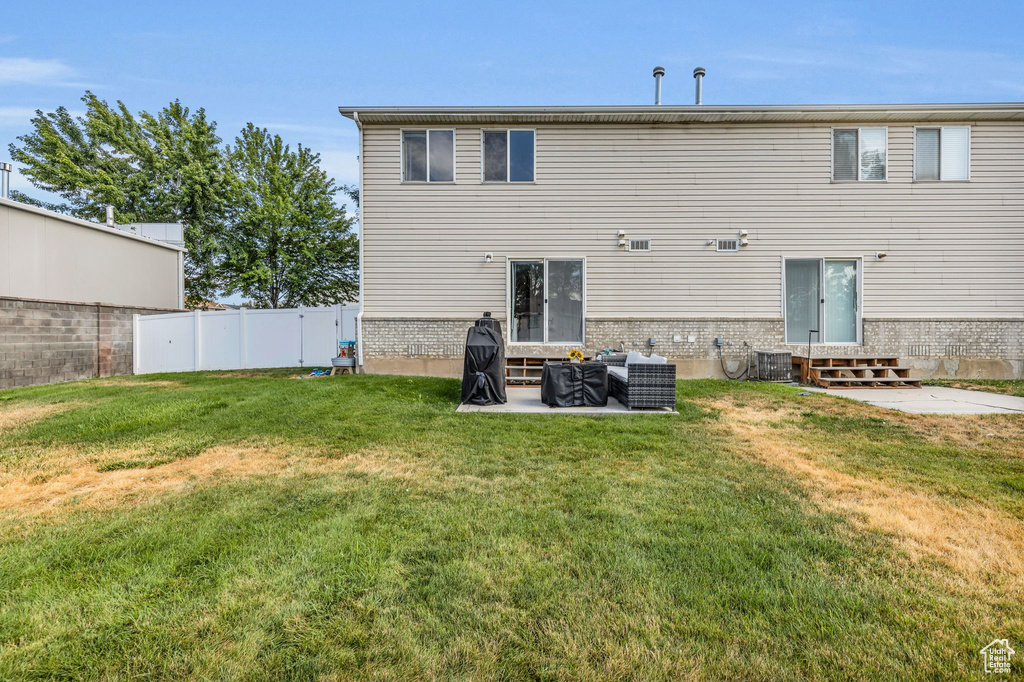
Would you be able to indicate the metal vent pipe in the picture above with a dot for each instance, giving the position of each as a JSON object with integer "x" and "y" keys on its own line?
{"x": 698, "y": 74}
{"x": 5, "y": 180}
{"x": 659, "y": 71}
{"x": 110, "y": 216}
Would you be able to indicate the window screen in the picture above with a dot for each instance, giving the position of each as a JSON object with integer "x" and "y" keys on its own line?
{"x": 415, "y": 162}
{"x": 844, "y": 154}
{"x": 496, "y": 156}
{"x": 926, "y": 155}
{"x": 442, "y": 155}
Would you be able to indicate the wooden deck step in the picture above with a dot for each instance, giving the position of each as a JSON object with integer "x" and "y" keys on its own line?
{"x": 525, "y": 370}
{"x": 837, "y": 368}
{"x": 854, "y": 371}
{"x": 868, "y": 382}
{"x": 847, "y": 357}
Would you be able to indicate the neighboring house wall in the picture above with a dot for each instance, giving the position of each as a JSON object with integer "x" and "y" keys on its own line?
{"x": 949, "y": 296}
{"x": 43, "y": 342}
{"x": 46, "y": 255}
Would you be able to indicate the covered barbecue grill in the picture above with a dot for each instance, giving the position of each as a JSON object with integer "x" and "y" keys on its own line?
{"x": 483, "y": 373}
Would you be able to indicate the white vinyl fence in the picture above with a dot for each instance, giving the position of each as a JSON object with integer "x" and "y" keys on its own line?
{"x": 241, "y": 339}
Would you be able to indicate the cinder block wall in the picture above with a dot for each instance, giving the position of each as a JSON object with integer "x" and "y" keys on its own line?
{"x": 43, "y": 342}
{"x": 978, "y": 348}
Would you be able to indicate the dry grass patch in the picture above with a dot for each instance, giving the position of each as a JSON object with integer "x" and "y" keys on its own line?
{"x": 136, "y": 383}
{"x": 974, "y": 540}
{"x": 68, "y": 478}
{"x": 20, "y": 416}
{"x": 74, "y": 479}
{"x": 969, "y": 430}
{"x": 380, "y": 461}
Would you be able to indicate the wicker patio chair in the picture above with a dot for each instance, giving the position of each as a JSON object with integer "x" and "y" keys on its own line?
{"x": 648, "y": 384}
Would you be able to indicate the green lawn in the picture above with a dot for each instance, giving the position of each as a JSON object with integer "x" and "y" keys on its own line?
{"x": 255, "y": 526}
{"x": 1013, "y": 387}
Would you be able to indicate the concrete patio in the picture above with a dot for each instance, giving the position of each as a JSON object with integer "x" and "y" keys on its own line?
{"x": 932, "y": 400}
{"x": 526, "y": 400}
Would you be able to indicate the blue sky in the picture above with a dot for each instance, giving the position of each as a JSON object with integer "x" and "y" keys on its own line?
{"x": 288, "y": 66}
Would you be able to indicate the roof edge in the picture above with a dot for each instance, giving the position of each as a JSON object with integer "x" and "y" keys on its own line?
{"x": 689, "y": 112}
{"x": 11, "y": 203}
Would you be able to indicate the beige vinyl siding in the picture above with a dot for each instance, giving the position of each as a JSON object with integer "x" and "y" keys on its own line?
{"x": 956, "y": 249}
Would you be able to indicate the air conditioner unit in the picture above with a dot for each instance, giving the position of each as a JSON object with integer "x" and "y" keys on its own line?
{"x": 728, "y": 245}
{"x": 774, "y": 366}
{"x": 639, "y": 244}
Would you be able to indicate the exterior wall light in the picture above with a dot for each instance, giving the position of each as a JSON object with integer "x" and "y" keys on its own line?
{"x": 488, "y": 257}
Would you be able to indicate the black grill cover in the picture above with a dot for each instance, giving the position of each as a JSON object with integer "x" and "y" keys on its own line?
{"x": 490, "y": 323}
{"x": 483, "y": 373}
{"x": 566, "y": 384}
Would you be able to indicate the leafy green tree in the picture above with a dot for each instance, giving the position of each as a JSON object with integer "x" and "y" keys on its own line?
{"x": 166, "y": 167}
{"x": 289, "y": 244}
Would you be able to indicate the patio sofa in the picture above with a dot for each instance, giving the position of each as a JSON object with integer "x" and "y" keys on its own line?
{"x": 636, "y": 380}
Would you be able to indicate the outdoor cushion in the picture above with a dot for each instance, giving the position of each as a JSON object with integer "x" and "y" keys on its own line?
{"x": 635, "y": 356}
{"x": 620, "y": 372}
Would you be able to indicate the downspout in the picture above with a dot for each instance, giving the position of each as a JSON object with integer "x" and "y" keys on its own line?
{"x": 181, "y": 280}
{"x": 362, "y": 302}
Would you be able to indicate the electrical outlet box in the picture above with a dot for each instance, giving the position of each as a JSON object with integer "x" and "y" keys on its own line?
{"x": 691, "y": 339}
{"x": 677, "y": 339}
{"x": 719, "y": 341}
{"x": 652, "y": 341}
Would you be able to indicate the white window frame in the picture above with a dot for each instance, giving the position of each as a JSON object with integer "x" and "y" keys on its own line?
{"x": 401, "y": 151}
{"x": 832, "y": 153}
{"x": 509, "y": 313}
{"x": 940, "y": 128}
{"x": 821, "y": 306}
{"x": 508, "y": 157}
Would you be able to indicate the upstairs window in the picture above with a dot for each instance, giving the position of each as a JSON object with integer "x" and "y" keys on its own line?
{"x": 508, "y": 155}
{"x": 859, "y": 154}
{"x": 942, "y": 153}
{"x": 428, "y": 155}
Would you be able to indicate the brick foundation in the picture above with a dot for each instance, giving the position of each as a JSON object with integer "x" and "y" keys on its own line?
{"x": 985, "y": 348}
{"x": 44, "y": 342}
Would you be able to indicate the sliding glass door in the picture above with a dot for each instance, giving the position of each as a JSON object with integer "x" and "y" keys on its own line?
{"x": 547, "y": 301}
{"x": 822, "y": 300}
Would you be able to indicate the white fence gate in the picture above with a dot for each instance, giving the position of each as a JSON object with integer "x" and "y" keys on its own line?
{"x": 241, "y": 339}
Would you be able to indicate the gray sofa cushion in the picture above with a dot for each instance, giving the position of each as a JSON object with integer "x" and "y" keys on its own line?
{"x": 635, "y": 356}
{"x": 620, "y": 372}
